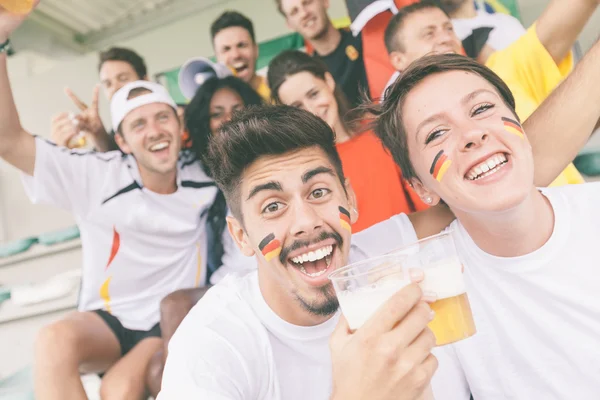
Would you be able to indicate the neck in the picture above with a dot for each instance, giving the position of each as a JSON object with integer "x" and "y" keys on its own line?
{"x": 328, "y": 42}
{"x": 255, "y": 81}
{"x": 283, "y": 303}
{"x": 510, "y": 233}
{"x": 159, "y": 183}
{"x": 341, "y": 133}
{"x": 466, "y": 10}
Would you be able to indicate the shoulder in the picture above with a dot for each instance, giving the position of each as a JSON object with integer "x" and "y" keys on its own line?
{"x": 579, "y": 195}
{"x": 383, "y": 237}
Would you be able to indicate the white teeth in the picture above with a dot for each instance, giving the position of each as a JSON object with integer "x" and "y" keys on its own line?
{"x": 159, "y": 146}
{"x": 313, "y": 255}
{"x": 487, "y": 167}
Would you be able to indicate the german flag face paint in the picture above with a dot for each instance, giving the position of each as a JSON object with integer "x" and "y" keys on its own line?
{"x": 270, "y": 247}
{"x": 512, "y": 126}
{"x": 345, "y": 219}
{"x": 440, "y": 165}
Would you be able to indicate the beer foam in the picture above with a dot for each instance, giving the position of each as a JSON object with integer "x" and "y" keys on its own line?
{"x": 444, "y": 279}
{"x": 359, "y": 305}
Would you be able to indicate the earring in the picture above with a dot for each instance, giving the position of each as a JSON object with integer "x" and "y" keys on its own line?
{"x": 428, "y": 199}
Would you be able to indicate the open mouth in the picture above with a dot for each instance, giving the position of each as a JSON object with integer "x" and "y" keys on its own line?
{"x": 159, "y": 147}
{"x": 314, "y": 263}
{"x": 309, "y": 23}
{"x": 240, "y": 67}
{"x": 487, "y": 167}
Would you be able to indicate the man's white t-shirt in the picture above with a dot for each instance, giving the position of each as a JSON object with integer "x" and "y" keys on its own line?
{"x": 506, "y": 28}
{"x": 138, "y": 246}
{"x": 537, "y": 316}
{"x": 233, "y": 346}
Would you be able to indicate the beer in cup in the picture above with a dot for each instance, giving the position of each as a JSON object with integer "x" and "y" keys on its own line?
{"x": 17, "y": 6}
{"x": 437, "y": 257}
{"x": 364, "y": 286}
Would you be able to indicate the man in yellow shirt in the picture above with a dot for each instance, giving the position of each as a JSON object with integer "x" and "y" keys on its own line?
{"x": 235, "y": 46}
{"x": 532, "y": 66}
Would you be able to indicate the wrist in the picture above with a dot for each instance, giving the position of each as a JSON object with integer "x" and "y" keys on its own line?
{"x": 4, "y": 44}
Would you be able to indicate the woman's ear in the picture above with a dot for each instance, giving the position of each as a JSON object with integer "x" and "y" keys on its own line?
{"x": 426, "y": 195}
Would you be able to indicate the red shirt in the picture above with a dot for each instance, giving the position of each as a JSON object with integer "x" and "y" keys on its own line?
{"x": 377, "y": 181}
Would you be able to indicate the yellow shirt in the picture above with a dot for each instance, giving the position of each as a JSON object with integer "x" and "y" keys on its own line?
{"x": 531, "y": 74}
{"x": 259, "y": 83}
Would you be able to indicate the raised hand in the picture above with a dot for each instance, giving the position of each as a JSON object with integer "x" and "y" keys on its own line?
{"x": 389, "y": 357}
{"x": 9, "y": 21}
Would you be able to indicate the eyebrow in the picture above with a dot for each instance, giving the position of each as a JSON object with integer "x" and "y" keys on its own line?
{"x": 265, "y": 186}
{"x": 308, "y": 175}
{"x": 469, "y": 97}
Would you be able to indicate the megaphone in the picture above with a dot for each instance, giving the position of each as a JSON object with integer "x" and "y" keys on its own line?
{"x": 198, "y": 70}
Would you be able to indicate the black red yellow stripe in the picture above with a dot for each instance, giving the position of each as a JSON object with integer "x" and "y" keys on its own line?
{"x": 345, "y": 219}
{"x": 270, "y": 247}
{"x": 439, "y": 166}
{"x": 513, "y": 127}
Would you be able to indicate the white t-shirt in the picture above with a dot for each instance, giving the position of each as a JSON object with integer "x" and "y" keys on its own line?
{"x": 233, "y": 346}
{"x": 506, "y": 28}
{"x": 138, "y": 246}
{"x": 537, "y": 316}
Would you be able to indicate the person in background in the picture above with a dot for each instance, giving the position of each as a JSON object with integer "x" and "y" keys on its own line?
{"x": 235, "y": 45}
{"x": 338, "y": 49}
{"x": 299, "y": 80}
{"x": 214, "y": 103}
{"x": 531, "y": 67}
{"x": 506, "y": 29}
{"x": 117, "y": 66}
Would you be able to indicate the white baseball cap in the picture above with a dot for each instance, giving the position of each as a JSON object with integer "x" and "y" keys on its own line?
{"x": 121, "y": 105}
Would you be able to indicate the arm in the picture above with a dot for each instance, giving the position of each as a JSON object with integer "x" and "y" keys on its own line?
{"x": 561, "y": 23}
{"x": 17, "y": 147}
{"x": 561, "y": 126}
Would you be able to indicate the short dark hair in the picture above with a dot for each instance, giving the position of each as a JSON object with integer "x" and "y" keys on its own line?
{"x": 260, "y": 131}
{"x": 388, "y": 122}
{"x": 229, "y": 19}
{"x": 392, "y": 31}
{"x": 292, "y": 62}
{"x": 127, "y": 55}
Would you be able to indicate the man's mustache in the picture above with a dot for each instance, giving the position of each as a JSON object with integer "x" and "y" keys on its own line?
{"x": 298, "y": 244}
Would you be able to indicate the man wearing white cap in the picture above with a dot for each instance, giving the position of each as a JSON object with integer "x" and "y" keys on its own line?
{"x": 142, "y": 216}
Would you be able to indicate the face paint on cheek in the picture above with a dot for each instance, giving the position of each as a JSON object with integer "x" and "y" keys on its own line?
{"x": 345, "y": 219}
{"x": 512, "y": 126}
{"x": 440, "y": 165}
{"x": 270, "y": 247}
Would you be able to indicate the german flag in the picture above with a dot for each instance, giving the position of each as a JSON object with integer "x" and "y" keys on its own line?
{"x": 440, "y": 165}
{"x": 513, "y": 127}
{"x": 345, "y": 219}
{"x": 270, "y": 247}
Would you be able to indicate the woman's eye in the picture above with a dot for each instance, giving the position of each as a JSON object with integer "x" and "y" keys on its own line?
{"x": 434, "y": 135}
{"x": 482, "y": 108}
{"x": 320, "y": 193}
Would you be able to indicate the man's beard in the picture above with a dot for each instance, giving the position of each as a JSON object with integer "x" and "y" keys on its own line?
{"x": 325, "y": 309}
